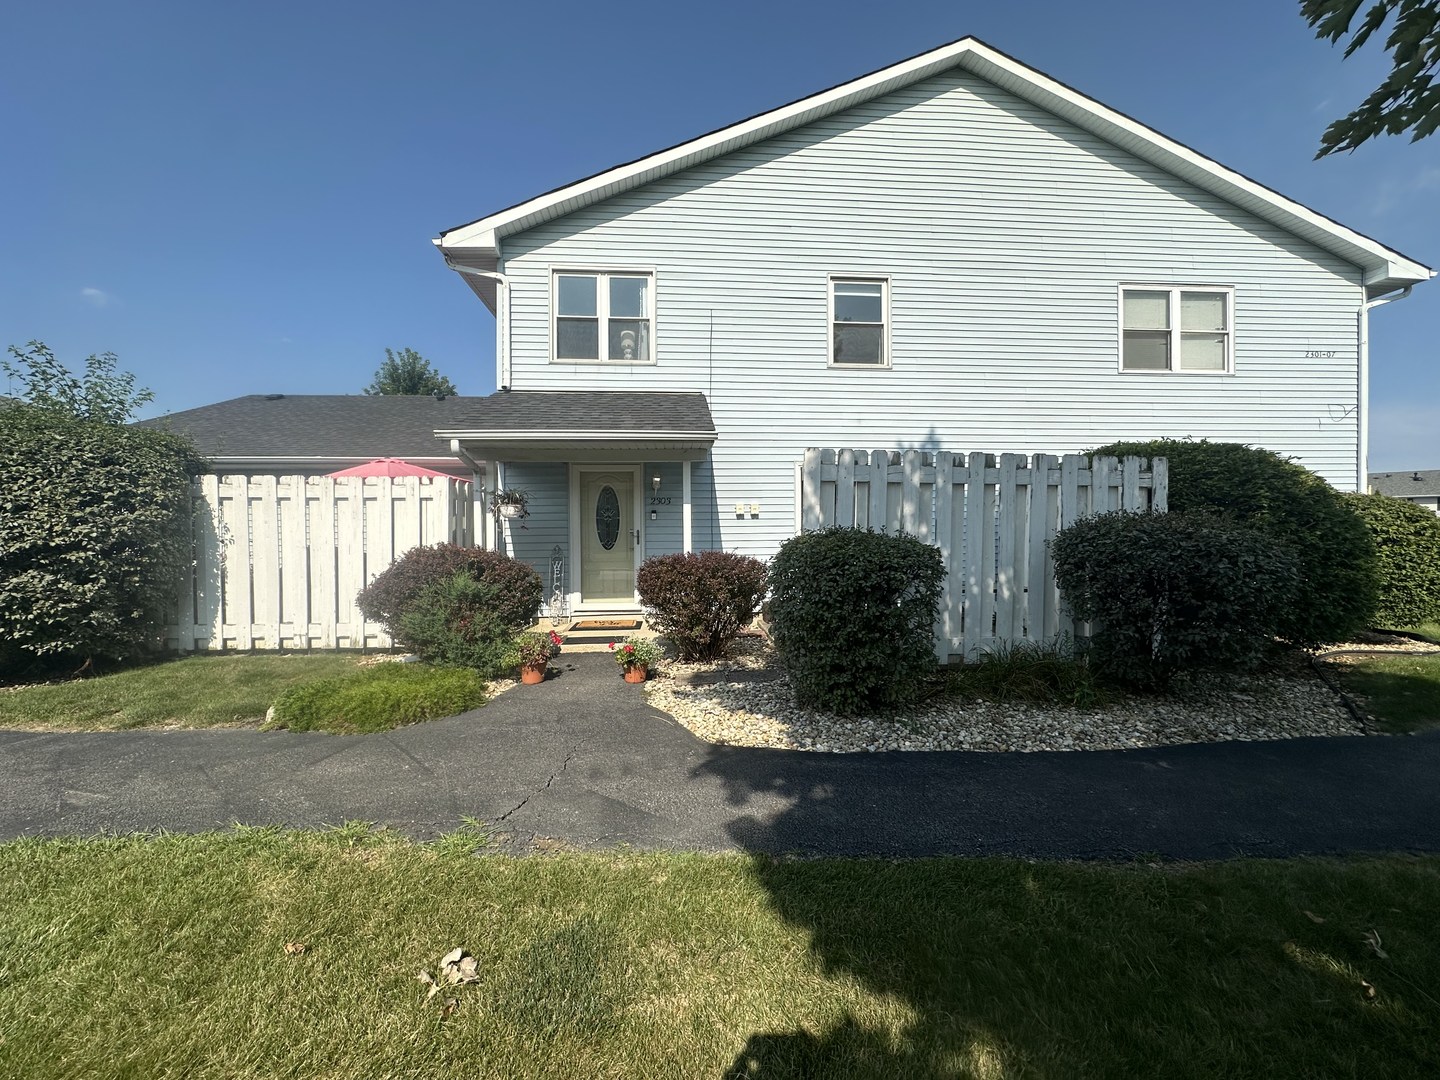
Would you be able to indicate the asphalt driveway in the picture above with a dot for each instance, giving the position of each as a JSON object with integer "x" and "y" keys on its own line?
{"x": 582, "y": 761}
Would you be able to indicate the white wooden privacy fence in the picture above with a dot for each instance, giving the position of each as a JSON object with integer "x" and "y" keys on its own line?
{"x": 279, "y": 559}
{"x": 991, "y": 518}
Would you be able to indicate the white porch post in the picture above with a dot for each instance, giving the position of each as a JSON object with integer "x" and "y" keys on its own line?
{"x": 685, "y": 505}
{"x": 480, "y": 517}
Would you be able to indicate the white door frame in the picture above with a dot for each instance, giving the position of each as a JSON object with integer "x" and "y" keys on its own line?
{"x": 636, "y": 469}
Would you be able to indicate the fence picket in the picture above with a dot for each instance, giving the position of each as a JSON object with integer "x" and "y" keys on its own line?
{"x": 278, "y": 560}
{"x": 992, "y": 520}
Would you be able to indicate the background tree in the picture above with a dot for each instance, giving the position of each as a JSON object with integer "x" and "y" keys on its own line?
{"x": 1407, "y": 100}
{"x": 103, "y": 395}
{"x": 95, "y": 521}
{"x": 407, "y": 372}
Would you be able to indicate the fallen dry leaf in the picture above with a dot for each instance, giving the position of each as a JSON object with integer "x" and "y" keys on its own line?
{"x": 1369, "y": 990}
{"x": 449, "y": 1008}
{"x": 295, "y": 948}
{"x": 1312, "y": 916}
{"x": 459, "y": 967}
{"x": 1372, "y": 938}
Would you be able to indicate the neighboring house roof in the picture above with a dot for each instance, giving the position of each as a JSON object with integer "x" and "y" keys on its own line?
{"x": 322, "y": 427}
{"x": 476, "y": 244}
{"x": 566, "y": 420}
{"x": 1423, "y": 483}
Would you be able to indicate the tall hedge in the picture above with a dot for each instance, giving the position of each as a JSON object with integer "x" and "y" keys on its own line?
{"x": 852, "y": 615}
{"x": 1407, "y": 541}
{"x": 1338, "y": 585}
{"x": 94, "y": 529}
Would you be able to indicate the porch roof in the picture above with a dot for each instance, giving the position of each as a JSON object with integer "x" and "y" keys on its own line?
{"x": 537, "y": 425}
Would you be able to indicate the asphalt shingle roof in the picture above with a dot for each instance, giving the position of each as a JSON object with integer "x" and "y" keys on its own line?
{"x": 648, "y": 412}
{"x": 1405, "y": 483}
{"x": 319, "y": 425}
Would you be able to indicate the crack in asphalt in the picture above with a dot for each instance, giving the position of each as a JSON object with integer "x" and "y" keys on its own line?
{"x": 563, "y": 766}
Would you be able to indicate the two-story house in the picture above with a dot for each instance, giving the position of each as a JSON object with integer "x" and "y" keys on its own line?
{"x": 956, "y": 252}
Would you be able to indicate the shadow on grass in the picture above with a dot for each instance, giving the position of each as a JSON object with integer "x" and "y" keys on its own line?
{"x": 1401, "y": 692}
{"x": 1007, "y": 968}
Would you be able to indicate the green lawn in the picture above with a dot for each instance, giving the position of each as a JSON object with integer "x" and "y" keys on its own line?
{"x": 1402, "y": 692}
{"x": 197, "y": 691}
{"x": 1430, "y": 631}
{"x": 167, "y": 958}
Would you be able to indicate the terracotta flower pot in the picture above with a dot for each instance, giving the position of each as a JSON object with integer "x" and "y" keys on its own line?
{"x": 636, "y": 673}
{"x": 533, "y": 673}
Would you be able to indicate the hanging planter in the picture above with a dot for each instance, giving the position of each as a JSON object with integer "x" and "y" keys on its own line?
{"x": 511, "y": 503}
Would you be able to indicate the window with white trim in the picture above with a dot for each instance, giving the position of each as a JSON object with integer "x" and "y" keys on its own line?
{"x": 859, "y": 322}
{"x": 604, "y": 317}
{"x": 1170, "y": 328}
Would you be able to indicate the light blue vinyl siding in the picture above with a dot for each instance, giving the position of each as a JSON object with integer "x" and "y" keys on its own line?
{"x": 1005, "y": 234}
{"x": 532, "y": 539}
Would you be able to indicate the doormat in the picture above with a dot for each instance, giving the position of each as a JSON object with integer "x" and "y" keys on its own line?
{"x": 605, "y": 624}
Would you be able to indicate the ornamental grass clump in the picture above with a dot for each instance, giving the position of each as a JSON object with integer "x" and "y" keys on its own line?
{"x": 1174, "y": 592}
{"x": 701, "y": 601}
{"x": 853, "y": 617}
{"x": 379, "y": 698}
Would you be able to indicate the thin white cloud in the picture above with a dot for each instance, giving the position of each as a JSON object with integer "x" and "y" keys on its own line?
{"x": 1393, "y": 193}
{"x": 96, "y": 297}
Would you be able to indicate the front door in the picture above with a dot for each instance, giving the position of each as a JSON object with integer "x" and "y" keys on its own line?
{"x": 607, "y": 538}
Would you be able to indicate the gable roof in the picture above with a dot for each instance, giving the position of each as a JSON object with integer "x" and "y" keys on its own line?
{"x": 1422, "y": 482}
{"x": 610, "y": 413}
{"x": 476, "y": 244}
{"x": 325, "y": 427}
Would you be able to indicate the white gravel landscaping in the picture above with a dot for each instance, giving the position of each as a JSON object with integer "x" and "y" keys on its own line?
{"x": 754, "y": 707}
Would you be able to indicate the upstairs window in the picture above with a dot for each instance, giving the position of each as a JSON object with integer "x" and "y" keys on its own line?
{"x": 603, "y": 317}
{"x": 859, "y": 322}
{"x": 1164, "y": 328}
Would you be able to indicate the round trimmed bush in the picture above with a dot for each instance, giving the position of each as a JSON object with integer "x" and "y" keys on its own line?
{"x": 853, "y": 617}
{"x": 700, "y": 602}
{"x": 1187, "y": 590}
{"x": 1338, "y": 584}
{"x": 1407, "y": 545}
{"x": 517, "y": 587}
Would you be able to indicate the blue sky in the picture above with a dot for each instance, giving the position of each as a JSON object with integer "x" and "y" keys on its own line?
{"x": 239, "y": 198}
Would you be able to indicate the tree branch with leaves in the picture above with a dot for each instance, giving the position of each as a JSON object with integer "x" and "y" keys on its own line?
{"x": 1409, "y": 98}
{"x": 407, "y": 372}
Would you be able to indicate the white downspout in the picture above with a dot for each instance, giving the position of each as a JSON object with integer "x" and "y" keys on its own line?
{"x": 502, "y": 319}
{"x": 1362, "y": 479}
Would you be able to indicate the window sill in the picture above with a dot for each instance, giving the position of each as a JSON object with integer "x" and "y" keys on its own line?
{"x": 605, "y": 363}
{"x": 858, "y": 367}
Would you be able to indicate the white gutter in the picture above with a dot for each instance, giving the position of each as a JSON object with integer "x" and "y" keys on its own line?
{"x": 1362, "y": 478}
{"x": 502, "y": 318}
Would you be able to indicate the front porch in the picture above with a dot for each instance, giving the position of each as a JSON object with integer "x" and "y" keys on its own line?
{"x": 608, "y": 480}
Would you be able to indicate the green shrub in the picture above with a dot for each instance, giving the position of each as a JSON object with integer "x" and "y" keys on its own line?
{"x": 455, "y": 622}
{"x": 1407, "y": 545}
{"x": 700, "y": 602}
{"x": 1174, "y": 592}
{"x": 94, "y": 531}
{"x": 853, "y": 617}
{"x": 1338, "y": 583}
{"x": 1034, "y": 672}
{"x": 379, "y": 698}
{"x": 517, "y": 587}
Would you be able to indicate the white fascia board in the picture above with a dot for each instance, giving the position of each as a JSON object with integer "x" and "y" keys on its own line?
{"x": 1378, "y": 261}
{"x": 324, "y": 459}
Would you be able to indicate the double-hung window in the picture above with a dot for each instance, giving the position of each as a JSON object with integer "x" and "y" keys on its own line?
{"x": 859, "y": 322}
{"x": 1173, "y": 328}
{"x": 604, "y": 317}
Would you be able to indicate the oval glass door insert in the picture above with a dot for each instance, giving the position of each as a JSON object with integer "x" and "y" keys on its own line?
{"x": 607, "y": 517}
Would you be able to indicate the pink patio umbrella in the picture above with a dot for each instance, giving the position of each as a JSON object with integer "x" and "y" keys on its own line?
{"x": 389, "y": 466}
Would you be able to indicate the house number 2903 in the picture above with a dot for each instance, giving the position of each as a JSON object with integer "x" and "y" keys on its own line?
{"x": 656, "y": 500}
